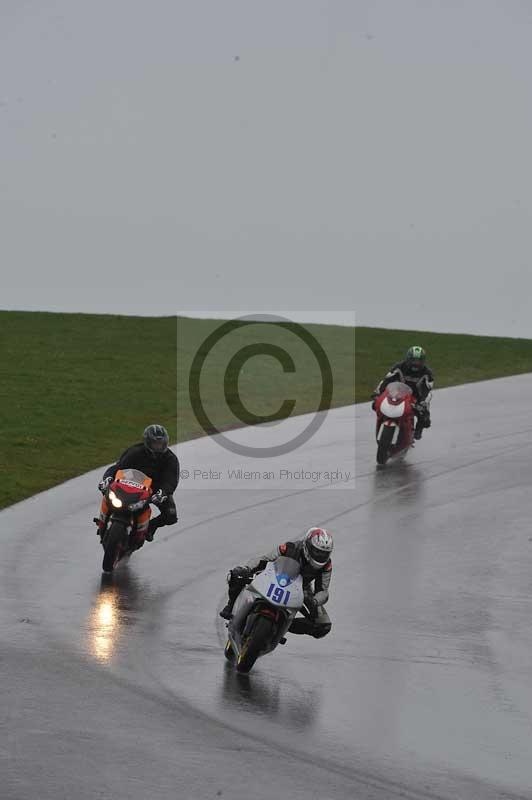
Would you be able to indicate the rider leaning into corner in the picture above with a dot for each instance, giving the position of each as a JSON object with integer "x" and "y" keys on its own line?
{"x": 154, "y": 458}
{"x": 314, "y": 555}
{"x": 418, "y": 376}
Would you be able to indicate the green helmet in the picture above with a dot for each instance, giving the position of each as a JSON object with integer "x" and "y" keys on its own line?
{"x": 416, "y": 357}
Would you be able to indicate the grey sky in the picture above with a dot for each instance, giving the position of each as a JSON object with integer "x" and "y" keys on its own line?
{"x": 370, "y": 155}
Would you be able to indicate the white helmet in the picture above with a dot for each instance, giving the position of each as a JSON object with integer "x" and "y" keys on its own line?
{"x": 317, "y": 546}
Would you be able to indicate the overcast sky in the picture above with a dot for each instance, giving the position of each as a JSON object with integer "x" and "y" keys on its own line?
{"x": 327, "y": 156}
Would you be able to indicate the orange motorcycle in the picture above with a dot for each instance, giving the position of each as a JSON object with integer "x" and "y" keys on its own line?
{"x": 124, "y": 516}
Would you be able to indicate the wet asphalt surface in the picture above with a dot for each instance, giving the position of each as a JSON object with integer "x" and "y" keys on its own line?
{"x": 117, "y": 688}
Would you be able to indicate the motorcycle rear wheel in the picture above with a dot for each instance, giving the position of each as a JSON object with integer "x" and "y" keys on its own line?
{"x": 113, "y": 543}
{"x": 384, "y": 445}
{"x": 254, "y": 644}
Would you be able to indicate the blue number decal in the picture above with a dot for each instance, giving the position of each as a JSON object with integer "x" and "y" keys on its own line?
{"x": 278, "y": 595}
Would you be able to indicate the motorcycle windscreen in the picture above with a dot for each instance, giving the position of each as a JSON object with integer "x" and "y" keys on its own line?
{"x": 398, "y": 391}
{"x": 281, "y": 583}
{"x": 133, "y": 476}
{"x": 287, "y": 591}
{"x": 286, "y": 567}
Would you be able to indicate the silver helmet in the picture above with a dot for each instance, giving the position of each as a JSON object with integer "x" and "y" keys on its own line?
{"x": 317, "y": 546}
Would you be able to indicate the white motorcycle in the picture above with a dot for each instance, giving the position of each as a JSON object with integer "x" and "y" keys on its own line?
{"x": 263, "y": 612}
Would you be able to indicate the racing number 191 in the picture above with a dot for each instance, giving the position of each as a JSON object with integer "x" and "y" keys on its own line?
{"x": 278, "y": 595}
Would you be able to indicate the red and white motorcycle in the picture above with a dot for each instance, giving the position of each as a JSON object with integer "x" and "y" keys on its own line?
{"x": 395, "y": 421}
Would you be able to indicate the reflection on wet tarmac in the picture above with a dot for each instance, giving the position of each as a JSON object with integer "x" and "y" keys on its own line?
{"x": 291, "y": 705}
{"x": 116, "y": 599}
{"x": 104, "y": 627}
{"x": 405, "y": 481}
{"x": 389, "y": 595}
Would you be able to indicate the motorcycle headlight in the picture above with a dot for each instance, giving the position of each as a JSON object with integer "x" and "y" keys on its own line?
{"x": 116, "y": 502}
{"x": 136, "y": 506}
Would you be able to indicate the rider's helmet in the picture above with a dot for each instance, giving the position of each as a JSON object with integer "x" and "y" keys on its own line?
{"x": 415, "y": 359}
{"x": 156, "y": 440}
{"x": 317, "y": 547}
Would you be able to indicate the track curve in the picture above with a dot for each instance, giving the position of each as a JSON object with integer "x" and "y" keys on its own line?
{"x": 119, "y": 689}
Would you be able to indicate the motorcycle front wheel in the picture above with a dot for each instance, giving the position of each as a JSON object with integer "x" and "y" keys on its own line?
{"x": 384, "y": 445}
{"x": 114, "y": 544}
{"x": 257, "y": 641}
{"x": 229, "y": 653}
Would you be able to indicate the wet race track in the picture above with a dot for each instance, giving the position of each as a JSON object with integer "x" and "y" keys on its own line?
{"x": 119, "y": 689}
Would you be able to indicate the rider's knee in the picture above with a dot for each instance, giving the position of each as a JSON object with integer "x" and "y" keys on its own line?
{"x": 319, "y": 631}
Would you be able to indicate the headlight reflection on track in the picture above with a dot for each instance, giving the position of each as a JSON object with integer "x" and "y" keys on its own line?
{"x": 104, "y": 625}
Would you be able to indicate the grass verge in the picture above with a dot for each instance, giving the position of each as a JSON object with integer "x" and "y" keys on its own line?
{"x": 76, "y": 389}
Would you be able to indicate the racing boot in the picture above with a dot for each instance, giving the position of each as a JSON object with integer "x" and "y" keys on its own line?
{"x": 302, "y": 626}
{"x": 227, "y": 612}
{"x": 237, "y": 579}
{"x": 152, "y": 527}
{"x": 423, "y": 421}
{"x": 101, "y": 524}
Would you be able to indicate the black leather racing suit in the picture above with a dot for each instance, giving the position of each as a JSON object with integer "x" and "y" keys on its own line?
{"x": 164, "y": 472}
{"x": 316, "y": 582}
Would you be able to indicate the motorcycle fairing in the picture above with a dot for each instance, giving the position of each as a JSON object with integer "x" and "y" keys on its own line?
{"x": 397, "y": 431}
{"x": 392, "y": 411}
{"x": 277, "y": 592}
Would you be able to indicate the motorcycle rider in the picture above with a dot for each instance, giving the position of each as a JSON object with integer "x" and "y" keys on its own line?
{"x": 153, "y": 457}
{"x": 418, "y": 376}
{"x": 313, "y": 552}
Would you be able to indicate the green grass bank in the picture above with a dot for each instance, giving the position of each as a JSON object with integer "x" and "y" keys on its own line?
{"x": 75, "y": 389}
